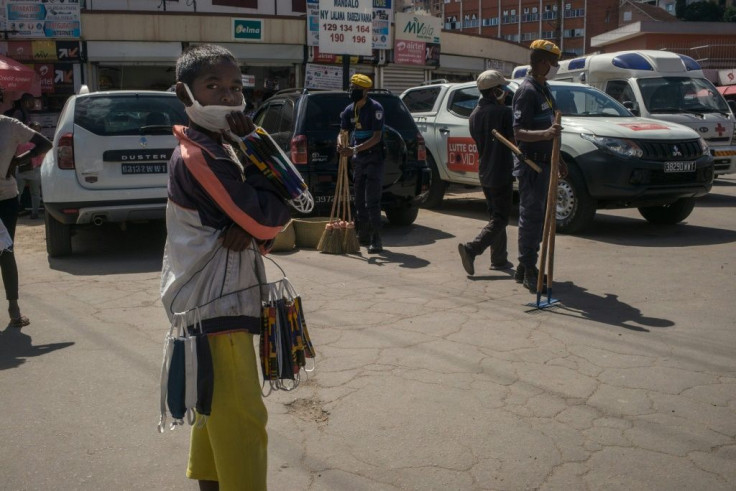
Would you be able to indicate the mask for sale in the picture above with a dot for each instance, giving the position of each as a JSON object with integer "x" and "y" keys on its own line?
{"x": 356, "y": 95}
{"x": 552, "y": 72}
{"x": 210, "y": 117}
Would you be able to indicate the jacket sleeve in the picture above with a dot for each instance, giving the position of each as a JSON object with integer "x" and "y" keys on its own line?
{"x": 251, "y": 203}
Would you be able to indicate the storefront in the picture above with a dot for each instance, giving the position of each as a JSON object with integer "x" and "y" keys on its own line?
{"x": 131, "y": 65}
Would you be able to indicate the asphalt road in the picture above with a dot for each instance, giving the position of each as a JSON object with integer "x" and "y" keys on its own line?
{"x": 426, "y": 378}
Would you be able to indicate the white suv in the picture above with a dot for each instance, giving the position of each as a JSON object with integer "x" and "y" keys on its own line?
{"x": 109, "y": 162}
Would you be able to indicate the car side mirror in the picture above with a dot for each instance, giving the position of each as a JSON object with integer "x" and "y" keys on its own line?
{"x": 732, "y": 105}
{"x": 632, "y": 106}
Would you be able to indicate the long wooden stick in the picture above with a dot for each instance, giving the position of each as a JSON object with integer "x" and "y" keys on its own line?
{"x": 516, "y": 150}
{"x": 550, "y": 216}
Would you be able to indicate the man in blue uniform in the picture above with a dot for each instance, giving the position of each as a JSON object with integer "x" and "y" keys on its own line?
{"x": 534, "y": 130}
{"x": 364, "y": 118}
{"x": 494, "y": 171}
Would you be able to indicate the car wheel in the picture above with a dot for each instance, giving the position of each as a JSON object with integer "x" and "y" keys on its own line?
{"x": 436, "y": 187}
{"x": 575, "y": 208}
{"x": 669, "y": 214}
{"x": 402, "y": 216}
{"x": 58, "y": 237}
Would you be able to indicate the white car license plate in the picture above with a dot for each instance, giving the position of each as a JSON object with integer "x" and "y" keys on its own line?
{"x": 144, "y": 168}
{"x": 679, "y": 166}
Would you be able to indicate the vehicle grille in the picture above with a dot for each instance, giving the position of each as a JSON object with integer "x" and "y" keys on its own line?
{"x": 665, "y": 151}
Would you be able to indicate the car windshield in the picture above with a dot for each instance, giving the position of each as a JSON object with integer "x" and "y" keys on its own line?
{"x": 681, "y": 95}
{"x": 580, "y": 100}
{"x": 129, "y": 114}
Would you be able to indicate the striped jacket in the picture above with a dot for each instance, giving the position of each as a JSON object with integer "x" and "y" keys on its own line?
{"x": 208, "y": 191}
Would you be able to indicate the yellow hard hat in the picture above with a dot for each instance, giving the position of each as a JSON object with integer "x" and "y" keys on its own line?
{"x": 546, "y": 46}
{"x": 361, "y": 81}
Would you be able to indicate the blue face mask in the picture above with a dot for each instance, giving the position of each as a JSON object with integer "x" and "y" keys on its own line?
{"x": 356, "y": 95}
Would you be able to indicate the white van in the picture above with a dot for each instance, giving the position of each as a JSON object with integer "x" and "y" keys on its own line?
{"x": 662, "y": 85}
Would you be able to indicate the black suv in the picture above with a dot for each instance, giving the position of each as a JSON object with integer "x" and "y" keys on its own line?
{"x": 305, "y": 123}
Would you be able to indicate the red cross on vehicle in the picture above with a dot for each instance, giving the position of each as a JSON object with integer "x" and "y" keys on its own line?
{"x": 720, "y": 129}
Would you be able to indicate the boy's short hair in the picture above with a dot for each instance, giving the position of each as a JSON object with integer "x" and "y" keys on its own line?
{"x": 195, "y": 59}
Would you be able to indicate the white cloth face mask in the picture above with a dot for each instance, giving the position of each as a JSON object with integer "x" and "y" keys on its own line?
{"x": 210, "y": 117}
{"x": 552, "y": 72}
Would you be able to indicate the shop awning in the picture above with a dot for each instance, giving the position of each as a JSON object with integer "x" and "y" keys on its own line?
{"x": 132, "y": 52}
{"x": 266, "y": 54}
{"x": 15, "y": 77}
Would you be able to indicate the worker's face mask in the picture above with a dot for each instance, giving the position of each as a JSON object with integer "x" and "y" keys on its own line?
{"x": 210, "y": 117}
{"x": 552, "y": 72}
{"x": 356, "y": 95}
{"x": 500, "y": 94}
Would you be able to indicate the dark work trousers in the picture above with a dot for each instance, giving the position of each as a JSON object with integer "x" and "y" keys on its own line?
{"x": 8, "y": 267}
{"x": 532, "y": 203}
{"x": 368, "y": 184}
{"x": 499, "y": 200}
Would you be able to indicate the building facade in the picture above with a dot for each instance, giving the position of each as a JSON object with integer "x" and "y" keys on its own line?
{"x": 568, "y": 23}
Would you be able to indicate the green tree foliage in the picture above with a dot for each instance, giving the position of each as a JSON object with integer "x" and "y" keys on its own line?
{"x": 680, "y": 7}
{"x": 701, "y": 12}
{"x": 729, "y": 15}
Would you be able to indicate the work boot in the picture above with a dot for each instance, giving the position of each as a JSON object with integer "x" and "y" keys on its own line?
{"x": 376, "y": 245}
{"x": 519, "y": 273}
{"x": 364, "y": 233}
{"x": 467, "y": 257}
{"x": 531, "y": 275}
{"x": 501, "y": 266}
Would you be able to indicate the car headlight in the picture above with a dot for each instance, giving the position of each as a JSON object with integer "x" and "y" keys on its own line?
{"x": 616, "y": 146}
{"x": 704, "y": 146}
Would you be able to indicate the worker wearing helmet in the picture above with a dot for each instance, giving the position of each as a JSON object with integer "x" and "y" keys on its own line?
{"x": 534, "y": 129}
{"x": 364, "y": 118}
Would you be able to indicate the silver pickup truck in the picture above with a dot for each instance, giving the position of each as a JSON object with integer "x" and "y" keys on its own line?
{"x": 615, "y": 160}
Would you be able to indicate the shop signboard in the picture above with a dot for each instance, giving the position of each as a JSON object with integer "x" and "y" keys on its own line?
{"x": 42, "y": 19}
{"x": 248, "y": 30}
{"x": 345, "y": 26}
{"x": 324, "y": 76}
{"x": 417, "y": 39}
{"x": 382, "y": 18}
{"x": 727, "y": 77}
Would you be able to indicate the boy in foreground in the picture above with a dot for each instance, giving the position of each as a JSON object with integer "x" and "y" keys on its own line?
{"x": 220, "y": 217}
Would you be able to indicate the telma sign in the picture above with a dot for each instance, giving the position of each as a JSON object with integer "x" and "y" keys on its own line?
{"x": 248, "y": 29}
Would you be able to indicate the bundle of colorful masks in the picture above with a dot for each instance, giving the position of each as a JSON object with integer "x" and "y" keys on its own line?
{"x": 260, "y": 150}
{"x": 285, "y": 344}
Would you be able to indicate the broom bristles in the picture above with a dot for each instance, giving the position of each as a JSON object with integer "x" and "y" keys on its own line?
{"x": 322, "y": 240}
{"x": 350, "y": 242}
{"x": 333, "y": 241}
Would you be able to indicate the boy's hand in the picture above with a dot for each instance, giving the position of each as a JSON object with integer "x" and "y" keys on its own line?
{"x": 235, "y": 238}
{"x": 240, "y": 124}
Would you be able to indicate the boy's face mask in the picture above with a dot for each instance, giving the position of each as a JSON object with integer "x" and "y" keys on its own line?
{"x": 210, "y": 117}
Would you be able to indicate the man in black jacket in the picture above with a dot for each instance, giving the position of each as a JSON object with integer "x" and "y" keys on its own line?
{"x": 495, "y": 171}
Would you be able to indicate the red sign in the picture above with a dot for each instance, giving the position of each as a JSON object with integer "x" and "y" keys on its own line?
{"x": 409, "y": 52}
{"x": 462, "y": 154}
{"x": 45, "y": 72}
{"x": 644, "y": 126}
{"x": 720, "y": 129}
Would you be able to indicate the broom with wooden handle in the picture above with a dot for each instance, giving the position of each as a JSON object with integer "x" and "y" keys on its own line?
{"x": 550, "y": 222}
{"x": 350, "y": 244}
{"x": 327, "y": 242}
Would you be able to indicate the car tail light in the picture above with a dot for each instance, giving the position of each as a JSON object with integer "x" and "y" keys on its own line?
{"x": 421, "y": 149}
{"x": 65, "y": 151}
{"x": 299, "y": 150}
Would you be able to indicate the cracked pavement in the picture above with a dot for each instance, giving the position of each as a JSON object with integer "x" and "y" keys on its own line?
{"x": 425, "y": 378}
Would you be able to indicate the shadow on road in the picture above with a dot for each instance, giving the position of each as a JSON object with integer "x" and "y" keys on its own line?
{"x": 714, "y": 199}
{"x": 16, "y": 346}
{"x": 627, "y": 231}
{"x": 412, "y": 235}
{"x": 110, "y": 250}
{"x": 576, "y": 301}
